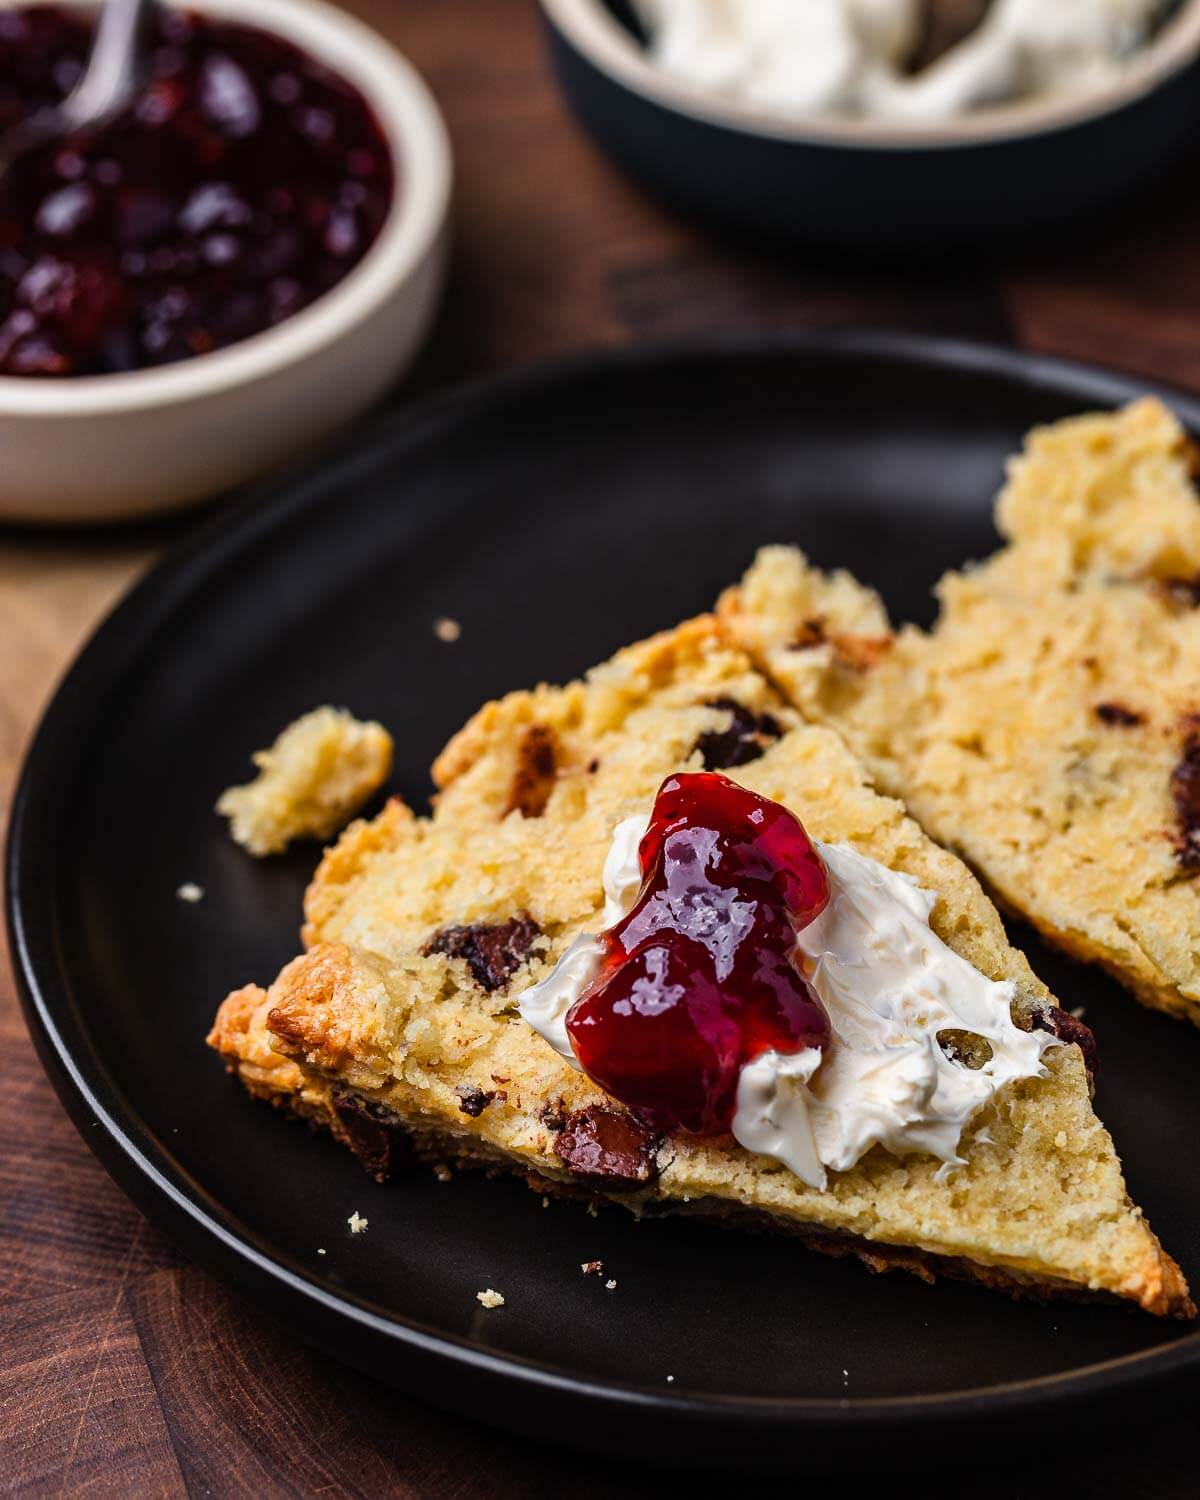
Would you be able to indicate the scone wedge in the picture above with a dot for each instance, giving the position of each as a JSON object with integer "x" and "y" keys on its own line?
{"x": 1048, "y": 727}
{"x": 397, "y": 1029}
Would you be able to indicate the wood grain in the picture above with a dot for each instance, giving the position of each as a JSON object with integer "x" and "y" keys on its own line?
{"x": 126, "y": 1372}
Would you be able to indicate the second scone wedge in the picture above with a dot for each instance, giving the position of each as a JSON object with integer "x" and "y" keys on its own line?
{"x": 400, "y": 1026}
{"x": 1048, "y": 727}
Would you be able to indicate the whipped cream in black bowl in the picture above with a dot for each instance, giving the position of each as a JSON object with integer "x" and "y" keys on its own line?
{"x": 969, "y": 156}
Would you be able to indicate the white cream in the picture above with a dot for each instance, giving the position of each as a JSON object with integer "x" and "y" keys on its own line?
{"x": 795, "y": 55}
{"x": 545, "y": 1005}
{"x": 801, "y": 56}
{"x": 888, "y": 984}
{"x": 1023, "y": 48}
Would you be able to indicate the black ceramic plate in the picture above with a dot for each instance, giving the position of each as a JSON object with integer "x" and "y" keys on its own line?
{"x": 556, "y": 515}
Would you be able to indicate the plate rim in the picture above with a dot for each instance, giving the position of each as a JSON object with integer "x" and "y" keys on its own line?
{"x": 140, "y": 1165}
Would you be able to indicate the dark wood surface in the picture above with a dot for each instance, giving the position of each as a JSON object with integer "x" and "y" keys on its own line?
{"x": 124, "y": 1370}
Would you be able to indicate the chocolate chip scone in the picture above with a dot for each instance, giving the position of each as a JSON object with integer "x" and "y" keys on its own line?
{"x": 1048, "y": 728}
{"x": 401, "y": 1028}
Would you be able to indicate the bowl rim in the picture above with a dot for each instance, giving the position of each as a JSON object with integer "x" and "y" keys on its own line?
{"x": 417, "y": 138}
{"x": 595, "y": 33}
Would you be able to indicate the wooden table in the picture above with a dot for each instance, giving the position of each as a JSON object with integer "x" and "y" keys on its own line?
{"x": 123, "y": 1369}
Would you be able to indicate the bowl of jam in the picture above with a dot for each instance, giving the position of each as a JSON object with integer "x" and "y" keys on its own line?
{"x": 219, "y": 276}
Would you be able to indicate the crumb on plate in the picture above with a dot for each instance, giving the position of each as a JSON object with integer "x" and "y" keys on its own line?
{"x": 312, "y": 780}
{"x": 489, "y": 1298}
{"x": 357, "y": 1223}
{"x": 190, "y": 891}
{"x": 447, "y": 629}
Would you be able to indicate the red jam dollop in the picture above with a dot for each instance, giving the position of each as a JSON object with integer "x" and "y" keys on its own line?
{"x": 244, "y": 181}
{"x": 701, "y": 976}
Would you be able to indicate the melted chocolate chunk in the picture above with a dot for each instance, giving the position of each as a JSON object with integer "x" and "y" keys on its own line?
{"x": 609, "y": 1148}
{"x": 1069, "y": 1029}
{"x": 373, "y": 1135}
{"x": 1118, "y": 715}
{"x": 1185, "y": 793}
{"x": 492, "y": 952}
{"x": 811, "y": 633}
{"x": 536, "y": 773}
{"x": 743, "y": 740}
{"x": 473, "y": 1101}
{"x": 1182, "y": 592}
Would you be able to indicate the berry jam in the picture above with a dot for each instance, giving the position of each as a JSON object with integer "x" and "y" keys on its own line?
{"x": 701, "y": 976}
{"x": 243, "y": 182}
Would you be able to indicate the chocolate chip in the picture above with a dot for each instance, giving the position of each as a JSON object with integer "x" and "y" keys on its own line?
{"x": 473, "y": 1101}
{"x": 1118, "y": 715}
{"x": 372, "y": 1133}
{"x": 493, "y": 952}
{"x": 1069, "y": 1029}
{"x": 744, "y": 739}
{"x": 811, "y": 633}
{"x": 609, "y": 1148}
{"x": 553, "y": 1116}
{"x": 1185, "y": 793}
{"x": 1184, "y": 593}
{"x": 536, "y": 773}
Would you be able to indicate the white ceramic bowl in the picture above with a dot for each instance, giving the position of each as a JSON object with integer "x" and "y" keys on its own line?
{"x": 105, "y": 447}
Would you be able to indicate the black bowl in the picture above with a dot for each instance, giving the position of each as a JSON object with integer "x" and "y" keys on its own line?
{"x": 998, "y": 175}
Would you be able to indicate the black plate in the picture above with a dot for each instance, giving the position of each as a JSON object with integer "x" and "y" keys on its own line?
{"x": 557, "y": 515}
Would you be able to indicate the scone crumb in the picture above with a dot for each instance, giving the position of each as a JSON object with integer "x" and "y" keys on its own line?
{"x": 610, "y": 1285}
{"x": 592, "y": 1268}
{"x": 1060, "y": 1140}
{"x": 357, "y": 1223}
{"x": 545, "y": 1203}
{"x": 320, "y": 1250}
{"x": 1078, "y": 1012}
{"x": 593, "y": 1211}
{"x": 190, "y": 891}
{"x": 443, "y": 1174}
{"x": 310, "y": 783}
{"x": 489, "y": 1298}
{"x": 670, "y": 1379}
{"x": 447, "y": 629}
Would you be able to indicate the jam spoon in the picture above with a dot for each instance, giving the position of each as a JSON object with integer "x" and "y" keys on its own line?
{"x": 112, "y": 73}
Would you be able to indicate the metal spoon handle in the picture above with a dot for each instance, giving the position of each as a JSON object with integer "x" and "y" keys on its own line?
{"x": 108, "y": 81}
{"x": 113, "y": 67}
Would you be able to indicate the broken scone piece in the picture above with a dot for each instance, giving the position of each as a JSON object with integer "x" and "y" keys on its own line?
{"x": 403, "y": 1028}
{"x": 1048, "y": 728}
{"x": 310, "y": 783}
